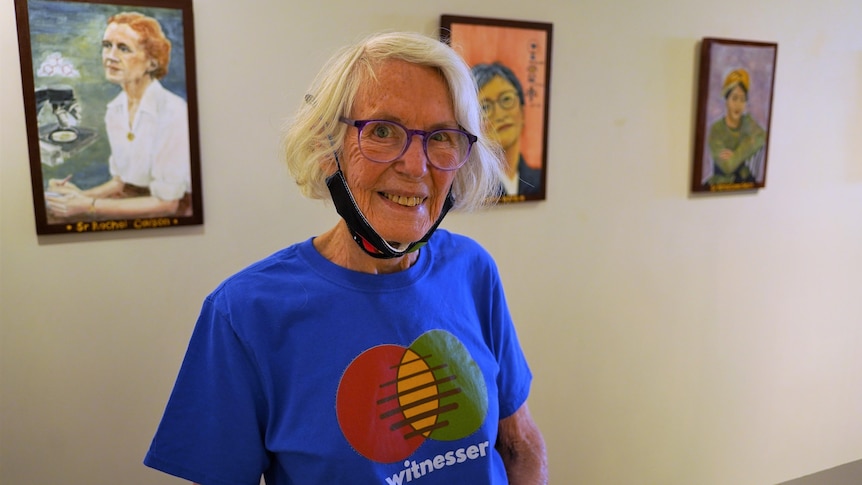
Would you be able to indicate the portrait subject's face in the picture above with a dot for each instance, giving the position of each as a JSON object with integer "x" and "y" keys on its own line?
{"x": 503, "y": 109}
{"x": 401, "y": 199}
{"x": 736, "y": 103}
{"x": 123, "y": 56}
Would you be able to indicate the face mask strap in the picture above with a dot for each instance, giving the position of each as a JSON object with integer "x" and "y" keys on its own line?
{"x": 360, "y": 229}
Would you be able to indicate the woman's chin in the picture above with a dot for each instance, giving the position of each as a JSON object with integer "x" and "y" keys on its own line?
{"x": 401, "y": 239}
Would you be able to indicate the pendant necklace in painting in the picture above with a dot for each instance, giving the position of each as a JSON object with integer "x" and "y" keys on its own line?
{"x": 133, "y": 110}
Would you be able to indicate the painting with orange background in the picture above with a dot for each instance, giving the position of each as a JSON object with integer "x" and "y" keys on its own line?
{"x": 511, "y": 63}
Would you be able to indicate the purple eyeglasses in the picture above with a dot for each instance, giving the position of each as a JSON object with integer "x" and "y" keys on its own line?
{"x": 383, "y": 141}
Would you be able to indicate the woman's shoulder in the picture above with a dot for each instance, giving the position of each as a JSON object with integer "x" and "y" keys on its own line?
{"x": 446, "y": 239}
{"x": 717, "y": 126}
{"x": 165, "y": 98}
{"x": 458, "y": 247}
{"x": 277, "y": 270}
{"x": 750, "y": 124}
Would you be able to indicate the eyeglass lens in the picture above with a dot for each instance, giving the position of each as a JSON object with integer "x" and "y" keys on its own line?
{"x": 506, "y": 101}
{"x": 384, "y": 141}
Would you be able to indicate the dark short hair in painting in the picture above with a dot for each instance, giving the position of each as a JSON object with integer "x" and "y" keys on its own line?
{"x": 483, "y": 73}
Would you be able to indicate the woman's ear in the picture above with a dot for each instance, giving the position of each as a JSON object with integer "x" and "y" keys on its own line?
{"x": 329, "y": 164}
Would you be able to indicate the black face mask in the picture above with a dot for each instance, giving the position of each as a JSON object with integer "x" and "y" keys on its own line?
{"x": 363, "y": 234}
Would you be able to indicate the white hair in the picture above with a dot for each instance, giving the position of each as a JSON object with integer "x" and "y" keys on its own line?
{"x": 314, "y": 134}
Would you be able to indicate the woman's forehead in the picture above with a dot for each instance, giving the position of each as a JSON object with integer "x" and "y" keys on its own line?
{"x": 123, "y": 31}
{"x": 402, "y": 85}
{"x": 496, "y": 84}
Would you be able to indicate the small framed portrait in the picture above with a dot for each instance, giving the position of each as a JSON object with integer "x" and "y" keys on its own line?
{"x": 511, "y": 62}
{"x": 734, "y": 110}
{"x": 111, "y": 112}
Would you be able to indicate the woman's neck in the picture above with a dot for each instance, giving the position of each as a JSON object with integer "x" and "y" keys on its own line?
{"x": 338, "y": 246}
{"x": 732, "y": 123}
{"x": 135, "y": 89}
{"x": 135, "y": 92}
{"x": 513, "y": 156}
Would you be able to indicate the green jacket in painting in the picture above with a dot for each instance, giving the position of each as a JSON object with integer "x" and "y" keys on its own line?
{"x": 744, "y": 142}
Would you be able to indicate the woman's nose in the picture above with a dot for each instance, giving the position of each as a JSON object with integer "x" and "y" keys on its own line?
{"x": 414, "y": 162}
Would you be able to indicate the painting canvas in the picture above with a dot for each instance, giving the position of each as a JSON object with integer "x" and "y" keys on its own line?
{"x": 111, "y": 112}
{"x": 511, "y": 62}
{"x": 734, "y": 114}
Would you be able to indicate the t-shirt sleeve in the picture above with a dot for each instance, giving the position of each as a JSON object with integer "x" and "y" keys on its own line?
{"x": 515, "y": 377}
{"x": 212, "y": 430}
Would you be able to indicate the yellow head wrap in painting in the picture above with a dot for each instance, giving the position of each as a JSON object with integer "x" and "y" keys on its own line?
{"x": 736, "y": 77}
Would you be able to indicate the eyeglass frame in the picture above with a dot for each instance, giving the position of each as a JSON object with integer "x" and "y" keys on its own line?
{"x": 360, "y": 125}
{"x": 493, "y": 103}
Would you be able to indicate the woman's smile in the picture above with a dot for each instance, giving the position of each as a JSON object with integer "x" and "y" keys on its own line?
{"x": 404, "y": 201}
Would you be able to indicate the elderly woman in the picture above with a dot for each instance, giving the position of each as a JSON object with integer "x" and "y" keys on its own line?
{"x": 147, "y": 130}
{"x": 736, "y": 139}
{"x": 502, "y": 100}
{"x": 381, "y": 351}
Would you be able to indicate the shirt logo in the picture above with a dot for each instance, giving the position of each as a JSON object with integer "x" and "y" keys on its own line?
{"x": 392, "y": 398}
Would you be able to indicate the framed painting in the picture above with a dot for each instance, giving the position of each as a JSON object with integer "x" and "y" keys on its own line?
{"x": 511, "y": 62}
{"x": 111, "y": 111}
{"x": 734, "y": 110}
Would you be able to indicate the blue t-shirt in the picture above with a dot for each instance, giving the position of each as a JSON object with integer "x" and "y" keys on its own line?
{"x": 306, "y": 372}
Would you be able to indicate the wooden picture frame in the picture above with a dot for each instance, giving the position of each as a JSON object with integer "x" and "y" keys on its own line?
{"x": 734, "y": 111}
{"x": 112, "y": 126}
{"x": 511, "y": 61}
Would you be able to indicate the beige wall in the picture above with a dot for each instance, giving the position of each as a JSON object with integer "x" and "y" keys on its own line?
{"x": 675, "y": 339}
